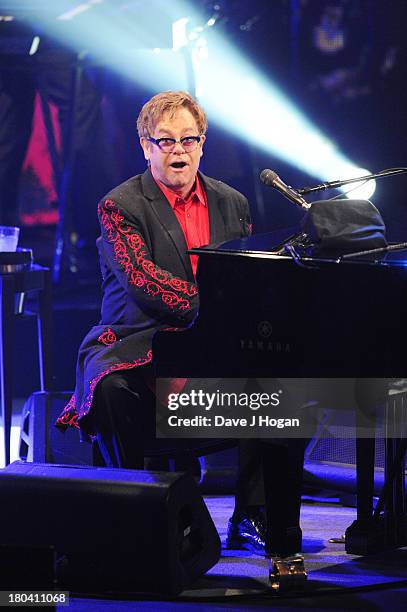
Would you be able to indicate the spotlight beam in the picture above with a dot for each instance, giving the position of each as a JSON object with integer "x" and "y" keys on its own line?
{"x": 235, "y": 94}
{"x": 243, "y": 100}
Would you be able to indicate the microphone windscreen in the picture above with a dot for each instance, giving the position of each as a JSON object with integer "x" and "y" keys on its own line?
{"x": 268, "y": 177}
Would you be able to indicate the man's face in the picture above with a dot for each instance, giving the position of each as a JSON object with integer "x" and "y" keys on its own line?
{"x": 177, "y": 170}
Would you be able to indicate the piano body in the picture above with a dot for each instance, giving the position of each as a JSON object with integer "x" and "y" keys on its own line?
{"x": 271, "y": 307}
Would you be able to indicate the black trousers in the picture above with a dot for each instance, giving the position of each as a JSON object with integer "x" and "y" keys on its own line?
{"x": 270, "y": 472}
{"x": 123, "y": 416}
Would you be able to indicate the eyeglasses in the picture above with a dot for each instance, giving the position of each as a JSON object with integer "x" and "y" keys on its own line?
{"x": 167, "y": 145}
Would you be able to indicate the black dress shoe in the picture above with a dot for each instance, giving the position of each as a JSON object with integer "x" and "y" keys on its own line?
{"x": 247, "y": 533}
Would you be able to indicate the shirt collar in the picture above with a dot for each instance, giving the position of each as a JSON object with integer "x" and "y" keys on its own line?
{"x": 197, "y": 194}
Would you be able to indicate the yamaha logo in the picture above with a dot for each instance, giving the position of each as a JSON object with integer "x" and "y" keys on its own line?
{"x": 264, "y": 342}
{"x": 264, "y": 329}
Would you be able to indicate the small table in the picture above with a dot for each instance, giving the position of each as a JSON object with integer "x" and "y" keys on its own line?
{"x": 24, "y": 279}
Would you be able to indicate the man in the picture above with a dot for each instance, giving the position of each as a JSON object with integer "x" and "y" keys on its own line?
{"x": 147, "y": 225}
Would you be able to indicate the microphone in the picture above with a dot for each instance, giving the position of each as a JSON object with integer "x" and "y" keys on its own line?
{"x": 270, "y": 178}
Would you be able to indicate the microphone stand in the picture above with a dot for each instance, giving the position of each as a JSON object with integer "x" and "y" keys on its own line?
{"x": 334, "y": 184}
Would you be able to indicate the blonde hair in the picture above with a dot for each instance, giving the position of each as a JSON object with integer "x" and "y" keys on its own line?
{"x": 169, "y": 102}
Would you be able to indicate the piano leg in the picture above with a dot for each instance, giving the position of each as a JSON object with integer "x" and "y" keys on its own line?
{"x": 283, "y": 463}
{"x": 392, "y": 502}
{"x": 394, "y": 491}
{"x": 394, "y": 495}
{"x": 366, "y": 534}
{"x": 387, "y": 526}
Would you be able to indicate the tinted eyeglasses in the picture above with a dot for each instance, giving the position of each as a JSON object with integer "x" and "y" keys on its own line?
{"x": 167, "y": 145}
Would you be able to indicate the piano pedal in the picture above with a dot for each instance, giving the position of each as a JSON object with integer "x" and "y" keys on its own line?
{"x": 287, "y": 573}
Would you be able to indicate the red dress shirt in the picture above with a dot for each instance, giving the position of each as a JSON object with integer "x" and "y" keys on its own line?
{"x": 192, "y": 215}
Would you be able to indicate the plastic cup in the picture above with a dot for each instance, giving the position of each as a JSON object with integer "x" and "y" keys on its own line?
{"x": 9, "y": 238}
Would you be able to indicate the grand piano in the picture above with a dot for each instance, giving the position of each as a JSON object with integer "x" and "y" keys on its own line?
{"x": 327, "y": 315}
{"x": 273, "y": 305}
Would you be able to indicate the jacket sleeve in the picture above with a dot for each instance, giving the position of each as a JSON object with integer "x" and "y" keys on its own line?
{"x": 157, "y": 291}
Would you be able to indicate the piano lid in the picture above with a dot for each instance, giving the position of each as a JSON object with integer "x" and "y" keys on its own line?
{"x": 291, "y": 243}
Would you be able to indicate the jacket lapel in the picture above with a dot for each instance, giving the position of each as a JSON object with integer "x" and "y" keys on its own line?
{"x": 166, "y": 216}
{"x": 215, "y": 207}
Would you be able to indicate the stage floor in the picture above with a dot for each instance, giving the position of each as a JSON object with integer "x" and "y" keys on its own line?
{"x": 239, "y": 581}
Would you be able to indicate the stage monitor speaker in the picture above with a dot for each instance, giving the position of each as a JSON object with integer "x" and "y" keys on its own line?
{"x": 113, "y": 529}
{"x": 41, "y": 441}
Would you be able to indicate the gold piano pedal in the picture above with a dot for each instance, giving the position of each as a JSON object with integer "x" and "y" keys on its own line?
{"x": 287, "y": 573}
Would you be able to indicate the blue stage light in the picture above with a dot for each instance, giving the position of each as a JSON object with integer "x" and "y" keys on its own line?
{"x": 121, "y": 38}
{"x": 243, "y": 100}
{"x": 235, "y": 94}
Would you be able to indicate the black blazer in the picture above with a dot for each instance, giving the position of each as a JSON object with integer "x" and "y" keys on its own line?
{"x": 148, "y": 282}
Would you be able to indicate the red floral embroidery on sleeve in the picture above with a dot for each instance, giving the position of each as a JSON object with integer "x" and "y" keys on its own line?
{"x": 130, "y": 252}
{"x": 108, "y": 337}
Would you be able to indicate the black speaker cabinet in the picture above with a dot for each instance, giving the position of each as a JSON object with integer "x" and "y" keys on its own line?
{"x": 112, "y": 529}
